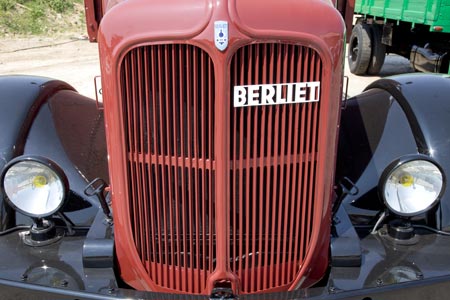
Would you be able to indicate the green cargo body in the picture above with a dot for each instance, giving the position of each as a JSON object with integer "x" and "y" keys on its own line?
{"x": 435, "y": 13}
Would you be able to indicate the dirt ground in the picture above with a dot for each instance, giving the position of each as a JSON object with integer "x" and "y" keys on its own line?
{"x": 71, "y": 59}
{"x": 75, "y": 60}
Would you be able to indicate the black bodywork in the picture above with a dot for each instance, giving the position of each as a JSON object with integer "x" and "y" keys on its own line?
{"x": 394, "y": 117}
{"x": 48, "y": 118}
{"x": 404, "y": 115}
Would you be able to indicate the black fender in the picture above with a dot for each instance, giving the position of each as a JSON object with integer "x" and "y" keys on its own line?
{"x": 393, "y": 117}
{"x": 45, "y": 117}
{"x": 426, "y": 102}
{"x": 21, "y": 97}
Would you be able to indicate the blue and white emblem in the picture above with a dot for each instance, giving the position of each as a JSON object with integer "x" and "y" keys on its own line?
{"x": 221, "y": 34}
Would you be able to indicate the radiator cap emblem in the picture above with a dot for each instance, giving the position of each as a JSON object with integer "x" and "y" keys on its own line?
{"x": 221, "y": 34}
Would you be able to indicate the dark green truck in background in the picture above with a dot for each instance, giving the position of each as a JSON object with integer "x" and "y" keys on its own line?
{"x": 416, "y": 29}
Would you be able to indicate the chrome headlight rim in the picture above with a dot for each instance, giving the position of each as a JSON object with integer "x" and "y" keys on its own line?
{"x": 46, "y": 163}
{"x": 395, "y": 165}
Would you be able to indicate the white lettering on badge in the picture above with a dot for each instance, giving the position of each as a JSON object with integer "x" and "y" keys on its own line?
{"x": 272, "y": 94}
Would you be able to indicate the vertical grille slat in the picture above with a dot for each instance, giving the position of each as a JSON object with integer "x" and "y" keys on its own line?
{"x": 175, "y": 133}
{"x": 282, "y": 213}
{"x": 182, "y": 95}
{"x": 274, "y": 151}
{"x": 261, "y": 71}
{"x": 168, "y": 102}
{"x": 290, "y": 186}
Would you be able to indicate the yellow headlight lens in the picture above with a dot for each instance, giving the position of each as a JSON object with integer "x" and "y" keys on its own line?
{"x": 39, "y": 181}
{"x": 413, "y": 187}
{"x": 35, "y": 188}
{"x": 406, "y": 180}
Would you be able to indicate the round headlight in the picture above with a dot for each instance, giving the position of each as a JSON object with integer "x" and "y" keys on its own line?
{"x": 34, "y": 186}
{"x": 412, "y": 185}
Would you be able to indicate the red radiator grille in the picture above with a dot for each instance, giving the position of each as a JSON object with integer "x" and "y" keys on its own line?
{"x": 274, "y": 158}
{"x": 169, "y": 118}
{"x": 168, "y": 104}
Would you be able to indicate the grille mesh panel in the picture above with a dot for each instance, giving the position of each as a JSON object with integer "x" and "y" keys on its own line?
{"x": 274, "y": 151}
{"x": 168, "y": 109}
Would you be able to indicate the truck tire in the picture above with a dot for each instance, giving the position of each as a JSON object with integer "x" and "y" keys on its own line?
{"x": 360, "y": 49}
{"x": 378, "y": 50}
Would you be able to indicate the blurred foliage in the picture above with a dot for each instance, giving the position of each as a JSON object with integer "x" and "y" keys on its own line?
{"x": 32, "y": 17}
